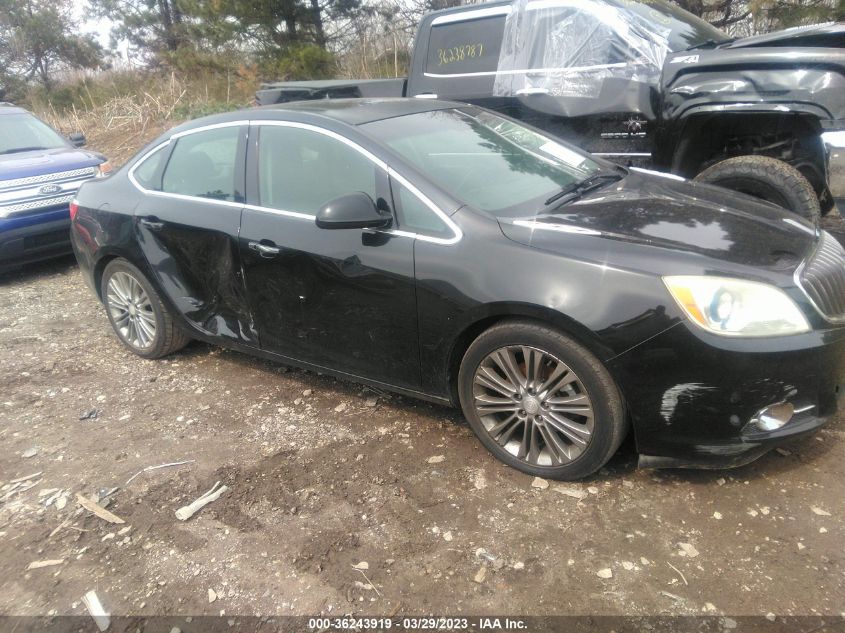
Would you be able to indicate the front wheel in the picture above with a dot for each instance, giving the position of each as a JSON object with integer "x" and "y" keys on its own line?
{"x": 137, "y": 315}
{"x": 767, "y": 178}
{"x": 540, "y": 402}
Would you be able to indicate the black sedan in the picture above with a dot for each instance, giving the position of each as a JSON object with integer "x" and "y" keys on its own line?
{"x": 450, "y": 253}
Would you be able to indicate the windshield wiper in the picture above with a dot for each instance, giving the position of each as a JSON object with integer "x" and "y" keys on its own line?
{"x": 578, "y": 189}
{"x": 710, "y": 44}
{"x": 17, "y": 150}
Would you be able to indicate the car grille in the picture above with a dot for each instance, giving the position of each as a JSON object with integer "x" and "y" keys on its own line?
{"x": 45, "y": 203}
{"x": 73, "y": 174}
{"x": 21, "y": 196}
{"x": 822, "y": 278}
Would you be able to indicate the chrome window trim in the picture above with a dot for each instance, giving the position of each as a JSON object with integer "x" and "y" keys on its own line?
{"x": 131, "y": 173}
{"x": 213, "y": 126}
{"x": 457, "y": 233}
{"x": 181, "y": 196}
{"x": 446, "y": 241}
{"x": 471, "y": 15}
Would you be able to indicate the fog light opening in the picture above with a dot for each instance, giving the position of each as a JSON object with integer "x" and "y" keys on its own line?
{"x": 773, "y": 417}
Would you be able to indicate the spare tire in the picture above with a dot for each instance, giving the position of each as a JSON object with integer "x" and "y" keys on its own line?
{"x": 767, "y": 178}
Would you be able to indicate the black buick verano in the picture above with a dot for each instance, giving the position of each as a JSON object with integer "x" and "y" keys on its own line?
{"x": 446, "y": 252}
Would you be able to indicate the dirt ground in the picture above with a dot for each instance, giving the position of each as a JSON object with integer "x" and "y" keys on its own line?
{"x": 324, "y": 475}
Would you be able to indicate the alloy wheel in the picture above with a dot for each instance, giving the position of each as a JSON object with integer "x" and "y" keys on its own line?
{"x": 533, "y": 405}
{"x": 131, "y": 310}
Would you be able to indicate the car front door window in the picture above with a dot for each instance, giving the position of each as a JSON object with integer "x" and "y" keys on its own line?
{"x": 414, "y": 216}
{"x": 300, "y": 170}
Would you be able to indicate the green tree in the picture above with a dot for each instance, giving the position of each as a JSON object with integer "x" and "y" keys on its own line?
{"x": 155, "y": 27}
{"x": 272, "y": 25}
{"x": 291, "y": 38}
{"x": 785, "y": 13}
{"x": 39, "y": 40}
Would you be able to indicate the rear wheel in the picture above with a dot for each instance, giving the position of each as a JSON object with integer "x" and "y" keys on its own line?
{"x": 540, "y": 402}
{"x": 137, "y": 315}
{"x": 767, "y": 178}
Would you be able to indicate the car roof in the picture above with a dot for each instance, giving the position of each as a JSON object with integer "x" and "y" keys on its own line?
{"x": 348, "y": 111}
{"x": 8, "y": 108}
{"x": 358, "y": 111}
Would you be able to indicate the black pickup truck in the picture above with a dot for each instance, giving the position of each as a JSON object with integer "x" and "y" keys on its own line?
{"x": 643, "y": 83}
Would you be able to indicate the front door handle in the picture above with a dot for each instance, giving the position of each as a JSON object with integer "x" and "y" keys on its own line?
{"x": 152, "y": 223}
{"x": 265, "y": 250}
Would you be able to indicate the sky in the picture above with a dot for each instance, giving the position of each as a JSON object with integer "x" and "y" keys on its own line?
{"x": 100, "y": 27}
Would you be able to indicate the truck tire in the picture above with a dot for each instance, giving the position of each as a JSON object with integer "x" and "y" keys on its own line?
{"x": 768, "y": 178}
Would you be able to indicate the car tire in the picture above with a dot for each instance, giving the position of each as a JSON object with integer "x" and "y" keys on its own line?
{"x": 136, "y": 312}
{"x": 767, "y": 178}
{"x": 536, "y": 446}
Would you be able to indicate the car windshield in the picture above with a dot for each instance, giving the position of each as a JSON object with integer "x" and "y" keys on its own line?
{"x": 22, "y": 132}
{"x": 484, "y": 160}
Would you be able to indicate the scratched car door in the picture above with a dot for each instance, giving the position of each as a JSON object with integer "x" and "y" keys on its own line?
{"x": 339, "y": 298}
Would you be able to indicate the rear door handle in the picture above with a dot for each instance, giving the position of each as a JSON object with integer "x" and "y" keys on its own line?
{"x": 265, "y": 250}
{"x": 152, "y": 223}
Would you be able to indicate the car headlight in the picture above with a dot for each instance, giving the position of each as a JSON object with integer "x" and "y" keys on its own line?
{"x": 733, "y": 307}
{"x": 103, "y": 169}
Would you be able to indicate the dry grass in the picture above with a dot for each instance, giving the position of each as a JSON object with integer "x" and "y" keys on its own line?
{"x": 118, "y": 124}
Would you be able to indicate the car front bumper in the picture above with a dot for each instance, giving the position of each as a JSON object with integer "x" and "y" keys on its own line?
{"x": 31, "y": 238}
{"x": 692, "y": 395}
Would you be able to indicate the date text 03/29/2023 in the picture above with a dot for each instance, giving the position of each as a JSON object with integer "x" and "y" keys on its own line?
{"x": 425, "y": 623}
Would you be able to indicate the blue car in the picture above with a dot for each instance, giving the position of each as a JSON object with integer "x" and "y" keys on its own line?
{"x": 40, "y": 171}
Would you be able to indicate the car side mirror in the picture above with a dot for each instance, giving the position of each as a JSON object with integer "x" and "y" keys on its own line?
{"x": 352, "y": 211}
{"x": 77, "y": 139}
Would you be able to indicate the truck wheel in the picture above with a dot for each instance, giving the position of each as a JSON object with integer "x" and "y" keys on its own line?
{"x": 768, "y": 178}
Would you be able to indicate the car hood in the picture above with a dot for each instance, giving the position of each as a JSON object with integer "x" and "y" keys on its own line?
{"x": 816, "y": 35}
{"x": 668, "y": 213}
{"x": 46, "y": 161}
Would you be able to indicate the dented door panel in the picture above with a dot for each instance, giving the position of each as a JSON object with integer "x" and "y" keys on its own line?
{"x": 187, "y": 226}
{"x": 192, "y": 249}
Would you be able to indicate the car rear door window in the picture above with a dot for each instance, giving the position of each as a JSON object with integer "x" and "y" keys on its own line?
{"x": 203, "y": 164}
{"x": 148, "y": 171}
{"x": 300, "y": 170}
